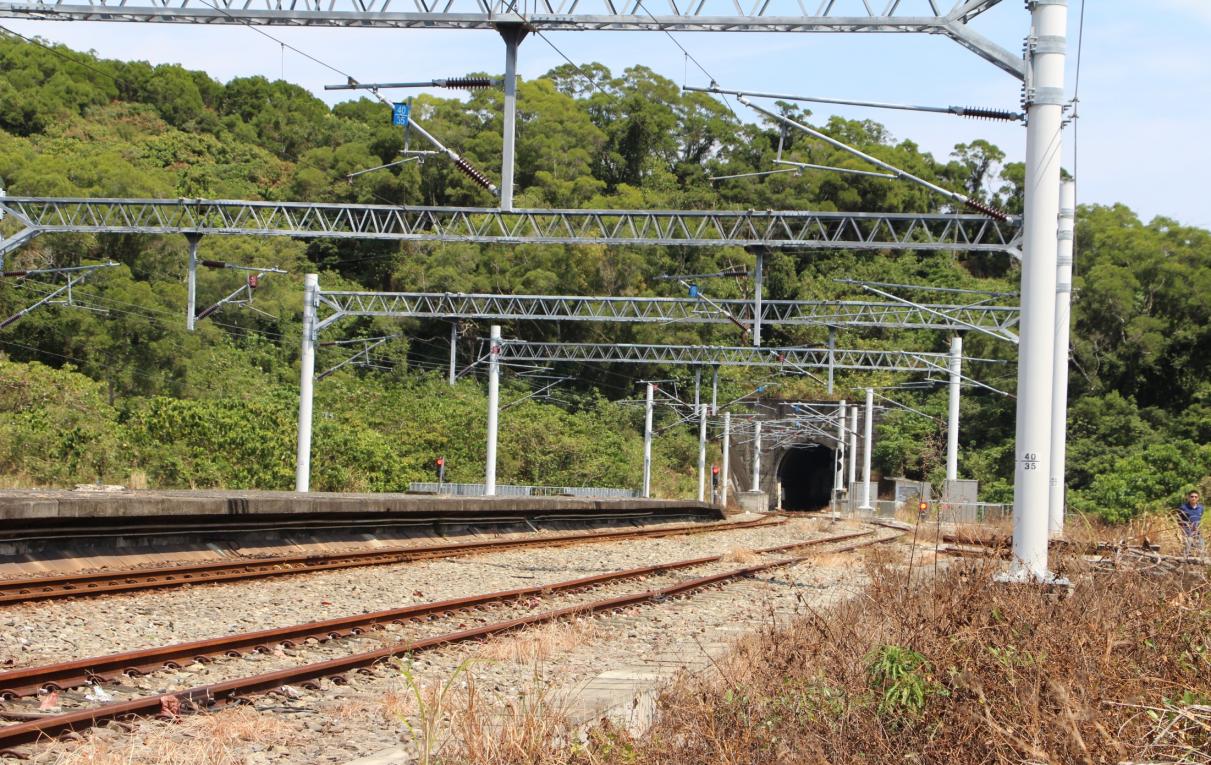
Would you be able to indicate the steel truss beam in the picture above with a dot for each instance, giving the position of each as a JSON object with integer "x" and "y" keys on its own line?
{"x": 583, "y": 15}
{"x": 596, "y": 15}
{"x": 997, "y": 320}
{"x": 518, "y": 351}
{"x": 694, "y": 228}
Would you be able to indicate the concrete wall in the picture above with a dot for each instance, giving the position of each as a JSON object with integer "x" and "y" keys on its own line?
{"x": 38, "y": 505}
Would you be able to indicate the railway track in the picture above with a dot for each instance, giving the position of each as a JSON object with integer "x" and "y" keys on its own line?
{"x": 18, "y": 683}
{"x": 76, "y": 585}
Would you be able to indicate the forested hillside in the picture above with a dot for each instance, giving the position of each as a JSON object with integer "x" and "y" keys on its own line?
{"x": 129, "y": 389}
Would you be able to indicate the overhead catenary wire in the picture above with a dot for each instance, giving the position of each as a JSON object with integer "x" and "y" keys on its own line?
{"x": 688, "y": 55}
{"x": 834, "y": 169}
{"x": 459, "y": 161}
{"x": 574, "y": 65}
{"x": 963, "y": 199}
{"x": 960, "y": 111}
{"x": 1076, "y": 93}
{"x": 284, "y": 45}
{"x": 450, "y": 83}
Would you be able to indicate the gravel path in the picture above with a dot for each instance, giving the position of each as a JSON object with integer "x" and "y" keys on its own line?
{"x": 40, "y": 633}
{"x": 337, "y": 724}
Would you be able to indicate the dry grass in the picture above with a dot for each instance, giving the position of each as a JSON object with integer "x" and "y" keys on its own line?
{"x": 18, "y": 481}
{"x": 953, "y": 668}
{"x": 451, "y": 719}
{"x": 537, "y": 644}
{"x": 207, "y": 739}
{"x": 741, "y": 555}
{"x": 1005, "y": 674}
{"x": 528, "y": 726}
{"x": 138, "y": 480}
{"x": 1157, "y": 529}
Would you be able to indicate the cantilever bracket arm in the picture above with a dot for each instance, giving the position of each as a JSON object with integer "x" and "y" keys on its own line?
{"x": 954, "y": 196}
{"x": 74, "y": 274}
{"x": 16, "y": 242}
{"x": 368, "y": 344}
{"x": 1002, "y": 334}
{"x": 965, "y": 378}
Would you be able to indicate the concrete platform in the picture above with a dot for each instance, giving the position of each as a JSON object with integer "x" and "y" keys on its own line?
{"x": 35, "y": 504}
{"x": 61, "y": 531}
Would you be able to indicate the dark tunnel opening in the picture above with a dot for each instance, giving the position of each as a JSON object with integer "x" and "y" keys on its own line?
{"x": 807, "y": 476}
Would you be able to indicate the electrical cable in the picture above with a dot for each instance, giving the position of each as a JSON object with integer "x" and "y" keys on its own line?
{"x": 579, "y": 71}
{"x": 688, "y": 55}
{"x": 1076, "y": 93}
{"x": 459, "y": 161}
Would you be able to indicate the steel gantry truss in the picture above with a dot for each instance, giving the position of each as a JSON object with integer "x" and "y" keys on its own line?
{"x": 998, "y": 320}
{"x": 923, "y": 16}
{"x": 694, "y": 228}
{"x": 519, "y": 351}
{"x": 1041, "y": 70}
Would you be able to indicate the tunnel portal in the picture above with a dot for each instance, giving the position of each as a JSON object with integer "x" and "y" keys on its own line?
{"x": 807, "y": 476}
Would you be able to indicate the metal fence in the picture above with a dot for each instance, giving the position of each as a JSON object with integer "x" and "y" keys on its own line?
{"x": 511, "y": 490}
{"x": 935, "y": 510}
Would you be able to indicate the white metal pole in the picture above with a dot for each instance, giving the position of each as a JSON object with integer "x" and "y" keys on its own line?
{"x": 702, "y": 453}
{"x": 757, "y": 455}
{"x": 715, "y": 392}
{"x": 853, "y": 448}
{"x": 1059, "y": 395}
{"x": 832, "y": 349}
{"x": 302, "y": 457}
{"x": 1045, "y": 113}
{"x": 839, "y": 484}
{"x": 191, "y": 281}
{"x": 866, "y": 440}
{"x": 647, "y": 440}
{"x": 493, "y": 409}
{"x": 513, "y": 34}
{"x": 453, "y": 351}
{"x": 727, "y": 466}
{"x": 697, "y": 388}
{"x": 757, "y": 279}
{"x": 952, "y": 418}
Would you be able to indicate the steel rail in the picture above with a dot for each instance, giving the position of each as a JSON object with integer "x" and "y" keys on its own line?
{"x": 29, "y": 681}
{"x": 53, "y": 587}
{"x": 306, "y": 675}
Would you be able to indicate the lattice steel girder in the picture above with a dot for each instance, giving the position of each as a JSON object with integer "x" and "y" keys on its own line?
{"x": 585, "y": 15}
{"x": 695, "y": 228}
{"x": 517, "y": 351}
{"x": 699, "y": 15}
{"x": 439, "y": 305}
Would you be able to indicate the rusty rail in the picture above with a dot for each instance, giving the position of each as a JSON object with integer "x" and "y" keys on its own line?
{"x": 306, "y": 675}
{"x": 26, "y": 682}
{"x": 66, "y": 586}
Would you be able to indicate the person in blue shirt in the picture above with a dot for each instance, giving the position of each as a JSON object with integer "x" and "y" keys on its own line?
{"x": 1190, "y": 515}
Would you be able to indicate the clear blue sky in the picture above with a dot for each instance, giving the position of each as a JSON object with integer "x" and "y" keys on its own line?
{"x": 1145, "y": 87}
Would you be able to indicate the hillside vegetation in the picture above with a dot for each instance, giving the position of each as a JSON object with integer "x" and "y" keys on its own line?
{"x": 117, "y": 384}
